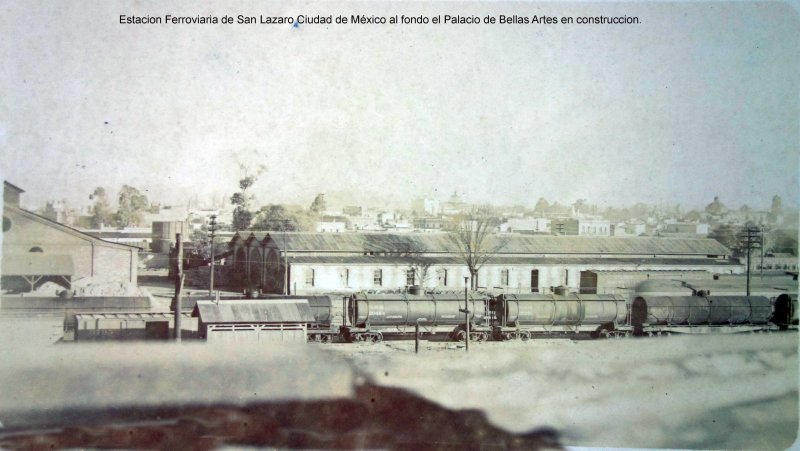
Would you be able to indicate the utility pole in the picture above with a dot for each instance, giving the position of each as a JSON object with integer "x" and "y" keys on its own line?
{"x": 178, "y": 284}
{"x": 285, "y": 260}
{"x": 466, "y": 313}
{"x": 752, "y": 240}
{"x": 212, "y": 227}
{"x": 762, "y": 251}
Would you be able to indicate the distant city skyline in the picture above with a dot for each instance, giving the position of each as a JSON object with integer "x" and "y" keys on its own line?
{"x": 697, "y": 101}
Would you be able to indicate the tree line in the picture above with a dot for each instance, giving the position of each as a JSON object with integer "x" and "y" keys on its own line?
{"x": 272, "y": 217}
{"x": 131, "y": 207}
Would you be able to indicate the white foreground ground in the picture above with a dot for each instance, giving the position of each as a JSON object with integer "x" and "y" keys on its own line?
{"x": 719, "y": 391}
{"x": 701, "y": 392}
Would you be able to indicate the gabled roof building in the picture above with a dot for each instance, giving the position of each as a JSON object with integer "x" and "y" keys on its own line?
{"x": 308, "y": 263}
{"x": 37, "y": 250}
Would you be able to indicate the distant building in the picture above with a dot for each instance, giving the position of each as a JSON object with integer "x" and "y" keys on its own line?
{"x": 527, "y": 225}
{"x": 776, "y": 262}
{"x": 163, "y": 235}
{"x": 688, "y": 228}
{"x": 333, "y": 224}
{"x": 140, "y": 237}
{"x": 353, "y": 211}
{"x": 430, "y": 224}
{"x": 628, "y": 229}
{"x": 454, "y": 205}
{"x": 424, "y": 207}
{"x": 585, "y": 227}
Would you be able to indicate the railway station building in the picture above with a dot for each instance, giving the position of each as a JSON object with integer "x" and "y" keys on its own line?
{"x": 37, "y": 250}
{"x": 316, "y": 263}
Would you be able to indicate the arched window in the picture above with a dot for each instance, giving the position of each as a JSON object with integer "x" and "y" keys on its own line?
{"x": 35, "y": 249}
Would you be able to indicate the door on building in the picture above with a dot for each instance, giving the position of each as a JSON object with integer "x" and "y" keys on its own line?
{"x": 535, "y": 281}
{"x": 588, "y": 282}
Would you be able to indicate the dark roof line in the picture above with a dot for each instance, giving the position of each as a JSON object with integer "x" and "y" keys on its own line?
{"x": 66, "y": 228}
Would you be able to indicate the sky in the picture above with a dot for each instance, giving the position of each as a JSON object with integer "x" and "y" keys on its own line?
{"x": 697, "y": 100}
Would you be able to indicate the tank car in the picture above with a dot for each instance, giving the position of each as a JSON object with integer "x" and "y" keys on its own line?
{"x": 371, "y": 317}
{"x": 785, "y": 311}
{"x": 523, "y": 316}
{"x": 656, "y": 315}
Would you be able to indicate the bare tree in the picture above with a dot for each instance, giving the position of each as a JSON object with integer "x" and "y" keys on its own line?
{"x": 475, "y": 241}
{"x": 412, "y": 252}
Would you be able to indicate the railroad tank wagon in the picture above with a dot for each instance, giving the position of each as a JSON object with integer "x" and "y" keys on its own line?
{"x": 659, "y": 314}
{"x": 785, "y": 313}
{"x": 523, "y": 315}
{"x": 370, "y": 316}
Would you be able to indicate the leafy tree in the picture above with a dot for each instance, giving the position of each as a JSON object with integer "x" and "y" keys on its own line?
{"x": 580, "y": 206}
{"x": 201, "y": 241}
{"x": 281, "y": 219}
{"x": 781, "y": 240}
{"x": 319, "y": 205}
{"x": 693, "y": 216}
{"x": 413, "y": 251}
{"x": 541, "y": 205}
{"x": 728, "y": 236}
{"x": 474, "y": 241}
{"x": 101, "y": 211}
{"x": 132, "y": 205}
{"x": 241, "y": 213}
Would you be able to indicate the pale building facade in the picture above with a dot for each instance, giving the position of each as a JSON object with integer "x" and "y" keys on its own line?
{"x": 329, "y": 263}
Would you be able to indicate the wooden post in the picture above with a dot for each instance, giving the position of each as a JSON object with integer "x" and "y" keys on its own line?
{"x": 178, "y": 285}
{"x": 466, "y": 313}
{"x": 416, "y": 338}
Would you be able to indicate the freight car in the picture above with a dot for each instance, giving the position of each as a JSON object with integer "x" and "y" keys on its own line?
{"x": 657, "y": 315}
{"x": 322, "y": 329}
{"x": 785, "y": 311}
{"x": 371, "y": 317}
{"x": 523, "y": 316}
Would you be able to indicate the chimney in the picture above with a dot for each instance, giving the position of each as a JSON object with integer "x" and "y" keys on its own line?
{"x": 11, "y": 194}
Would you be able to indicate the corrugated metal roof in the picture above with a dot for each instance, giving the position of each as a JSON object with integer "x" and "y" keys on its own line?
{"x": 130, "y": 315}
{"x": 502, "y": 260}
{"x": 254, "y": 311}
{"x": 37, "y": 264}
{"x": 511, "y": 244}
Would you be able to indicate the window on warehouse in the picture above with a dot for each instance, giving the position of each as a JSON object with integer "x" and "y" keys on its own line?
{"x": 441, "y": 277}
{"x": 344, "y": 275}
{"x": 534, "y": 281}
{"x": 377, "y": 277}
{"x": 504, "y": 277}
{"x": 310, "y": 278}
{"x": 410, "y": 277}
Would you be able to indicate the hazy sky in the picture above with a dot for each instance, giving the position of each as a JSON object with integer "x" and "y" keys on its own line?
{"x": 699, "y": 99}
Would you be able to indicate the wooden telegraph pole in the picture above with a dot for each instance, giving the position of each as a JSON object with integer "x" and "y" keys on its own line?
{"x": 752, "y": 240}
{"x": 212, "y": 228}
{"x": 466, "y": 313}
{"x": 178, "y": 285}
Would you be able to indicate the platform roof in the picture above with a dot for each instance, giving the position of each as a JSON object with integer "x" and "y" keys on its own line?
{"x": 38, "y": 264}
{"x": 254, "y": 311}
{"x": 505, "y": 260}
{"x": 505, "y": 244}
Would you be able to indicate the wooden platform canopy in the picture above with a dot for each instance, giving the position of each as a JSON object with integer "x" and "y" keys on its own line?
{"x": 35, "y": 267}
